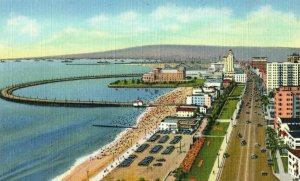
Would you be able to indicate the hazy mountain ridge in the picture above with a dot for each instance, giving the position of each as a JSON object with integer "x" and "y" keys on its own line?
{"x": 184, "y": 52}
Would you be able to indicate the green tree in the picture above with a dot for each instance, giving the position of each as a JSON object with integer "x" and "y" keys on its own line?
{"x": 142, "y": 179}
{"x": 125, "y": 81}
{"x": 271, "y": 94}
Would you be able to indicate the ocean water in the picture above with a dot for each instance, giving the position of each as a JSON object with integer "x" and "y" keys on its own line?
{"x": 40, "y": 142}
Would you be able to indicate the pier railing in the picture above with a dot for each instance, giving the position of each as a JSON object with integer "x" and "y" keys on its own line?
{"x": 7, "y": 93}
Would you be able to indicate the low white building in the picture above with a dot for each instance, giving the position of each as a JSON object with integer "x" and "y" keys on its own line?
{"x": 178, "y": 123}
{"x": 240, "y": 76}
{"x": 290, "y": 134}
{"x": 168, "y": 124}
{"x": 189, "y": 111}
{"x": 213, "y": 92}
{"x": 186, "y": 111}
{"x": 199, "y": 74}
{"x": 216, "y": 67}
{"x": 289, "y": 131}
{"x": 217, "y": 83}
{"x": 294, "y": 163}
{"x": 202, "y": 109}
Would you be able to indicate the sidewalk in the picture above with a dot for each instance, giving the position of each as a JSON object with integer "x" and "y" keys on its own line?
{"x": 281, "y": 175}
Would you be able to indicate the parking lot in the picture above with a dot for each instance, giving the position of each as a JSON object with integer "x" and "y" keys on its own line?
{"x": 155, "y": 158}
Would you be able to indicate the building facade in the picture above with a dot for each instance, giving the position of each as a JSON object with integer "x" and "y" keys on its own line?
{"x": 287, "y": 102}
{"x": 159, "y": 75}
{"x": 240, "y": 77}
{"x": 229, "y": 64}
{"x": 176, "y": 123}
{"x": 216, "y": 83}
{"x": 282, "y": 74}
{"x": 259, "y": 63}
{"x": 199, "y": 100}
{"x": 294, "y": 163}
{"x": 212, "y": 91}
{"x": 186, "y": 111}
{"x": 294, "y": 58}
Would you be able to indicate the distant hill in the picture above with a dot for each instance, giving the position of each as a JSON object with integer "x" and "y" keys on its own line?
{"x": 190, "y": 52}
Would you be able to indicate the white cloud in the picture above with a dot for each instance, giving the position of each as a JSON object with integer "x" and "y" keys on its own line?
{"x": 189, "y": 14}
{"x": 172, "y": 27}
{"x": 128, "y": 16}
{"x": 72, "y": 34}
{"x": 24, "y": 25}
{"x": 96, "y": 20}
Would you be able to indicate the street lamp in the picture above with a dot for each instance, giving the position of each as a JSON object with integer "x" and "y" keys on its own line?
{"x": 218, "y": 160}
{"x": 226, "y": 137}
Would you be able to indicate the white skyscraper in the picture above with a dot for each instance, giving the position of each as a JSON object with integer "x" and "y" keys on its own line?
{"x": 228, "y": 64}
{"x": 282, "y": 74}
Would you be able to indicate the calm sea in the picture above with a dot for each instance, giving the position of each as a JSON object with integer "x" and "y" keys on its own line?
{"x": 40, "y": 142}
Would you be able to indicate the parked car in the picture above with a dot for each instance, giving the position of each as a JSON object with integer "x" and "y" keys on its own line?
{"x": 253, "y": 156}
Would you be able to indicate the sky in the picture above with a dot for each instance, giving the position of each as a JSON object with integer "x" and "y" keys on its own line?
{"x": 34, "y": 28}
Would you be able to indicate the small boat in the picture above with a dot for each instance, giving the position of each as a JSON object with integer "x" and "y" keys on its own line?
{"x": 2, "y": 61}
{"x": 67, "y": 61}
{"x": 100, "y": 62}
{"x": 17, "y": 60}
{"x": 138, "y": 103}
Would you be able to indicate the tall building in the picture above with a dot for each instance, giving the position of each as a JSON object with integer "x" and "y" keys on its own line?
{"x": 282, "y": 74}
{"x": 259, "y": 62}
{"x": 287, "y": 102}
{"x": 294, "y": 58}
{"x": 228, "y": 64}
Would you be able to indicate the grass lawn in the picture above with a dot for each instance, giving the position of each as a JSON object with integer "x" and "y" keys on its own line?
{"x": 228, "y": 109}
{"x": 275, "y": 165}
{"x": 135, "y": 83}
{"x": 237, "y": 91}
{"x": 219, "y": 129}
{"x": 285, "y": 163}
{"x": 208, "y": 154}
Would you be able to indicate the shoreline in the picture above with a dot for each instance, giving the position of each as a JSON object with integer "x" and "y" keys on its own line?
{"x": 84, "y": 158}
{"x": 92, "y": 165}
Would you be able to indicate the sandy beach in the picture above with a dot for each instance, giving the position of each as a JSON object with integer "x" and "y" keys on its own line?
{"x": 146, "y": 123}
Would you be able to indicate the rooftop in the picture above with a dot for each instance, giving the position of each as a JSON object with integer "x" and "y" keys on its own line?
{"x": 186, "y": 108}
{"x": 259, "y": 58}
{"x": 173, "y": 119}
{"x": 295, "y": 134}
{"x": 238, "y": 71}
{"x": 288, "y": 88}
{"x": 169, "y": 71}
{"x": 213, "y": 81}
{"x": 269, "y": 63}
{"x": 295, "y": 152}
{"x": 290, "y": 121}
{"x": 294, "y": 128}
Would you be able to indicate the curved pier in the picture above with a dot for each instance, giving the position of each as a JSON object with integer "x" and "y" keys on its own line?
{"x": 7, "y": 93}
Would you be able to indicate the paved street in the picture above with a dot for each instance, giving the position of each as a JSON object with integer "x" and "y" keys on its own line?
{"x": 251, "y": 126}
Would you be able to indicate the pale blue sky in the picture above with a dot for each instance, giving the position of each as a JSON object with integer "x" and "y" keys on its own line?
{"x": 49, "y": 27}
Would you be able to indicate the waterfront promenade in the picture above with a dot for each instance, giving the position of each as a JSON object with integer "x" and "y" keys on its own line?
{"x": 7, "y": 93}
